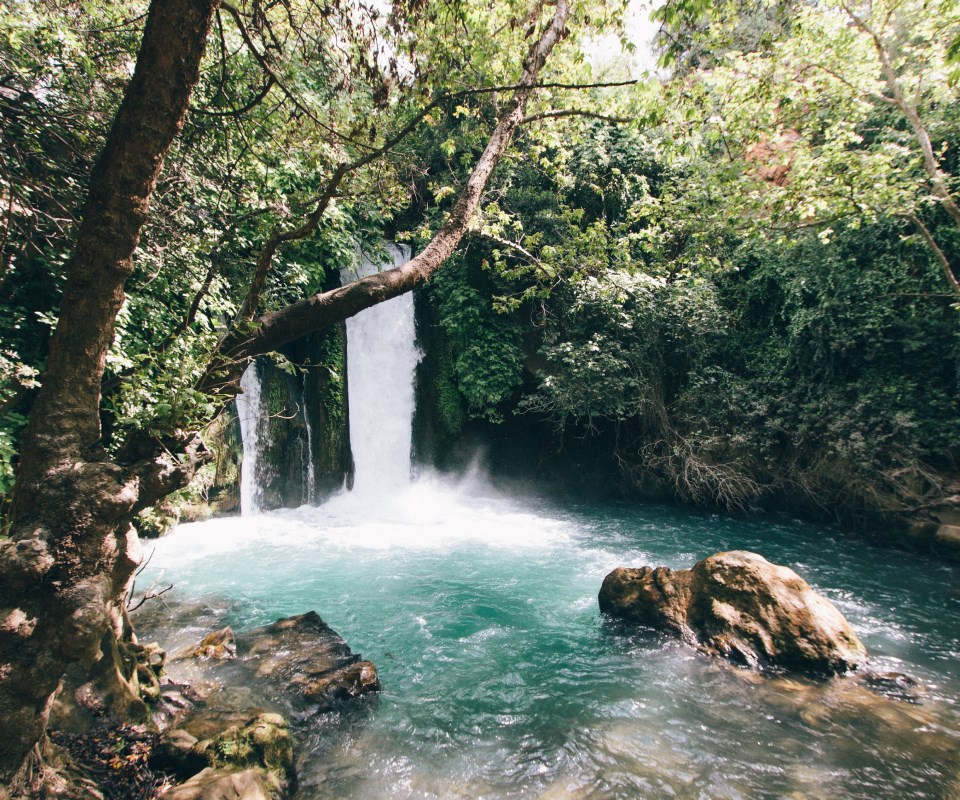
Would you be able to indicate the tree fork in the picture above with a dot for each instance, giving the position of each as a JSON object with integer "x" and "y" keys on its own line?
{"x": 72, "y": 550}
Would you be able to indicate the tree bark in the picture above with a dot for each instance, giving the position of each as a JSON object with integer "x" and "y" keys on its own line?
{"x": 72, "y": 550}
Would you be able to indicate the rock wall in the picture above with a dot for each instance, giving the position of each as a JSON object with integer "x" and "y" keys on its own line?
{"x": 308, "y": 422}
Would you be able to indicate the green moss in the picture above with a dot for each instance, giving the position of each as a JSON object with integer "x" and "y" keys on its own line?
{"x": 264, "y": 743}
{"x": 449, "y": 411}
{"x": 331, "y": 433}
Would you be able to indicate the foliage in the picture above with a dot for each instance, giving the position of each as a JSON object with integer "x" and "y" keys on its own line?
{"x": 796, "y": 372}
{"x": 288, "y": 94}
{"x": 487, "y": 357}
{"x": 842, "y": 115}
{"x": 725, "y": 276}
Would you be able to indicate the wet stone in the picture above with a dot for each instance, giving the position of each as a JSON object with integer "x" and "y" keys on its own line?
{"x": 305, "y": 653}
{"x": 220, "y": 645}
{"x": 211, "y": 784}
{"x": 740, "y": 606}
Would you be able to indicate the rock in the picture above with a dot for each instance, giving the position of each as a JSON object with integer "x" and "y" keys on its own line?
{"x": 263, "y": 743}
{"x": 949, "y": 512}
{"x": 922, "y": 731}
{"x": 228, "y": 742}
{"x": 921, "y": 532}
{"x": 219, "y": 646}
{"x": 343, "y": 684}
{"x": 211, "y": 784}
{"x": 895, "y": 685}
{"x": 738, "y": 605}
{"x": 215, "y": 715}
{"x": 305, "y": 653}
{"x": 176, "y": 754}
{"x": 947, "y": 538}
{"x": 176, "y": 701}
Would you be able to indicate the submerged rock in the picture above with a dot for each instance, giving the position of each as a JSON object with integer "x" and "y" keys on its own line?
{"x": 305, "y": 653}
{"x": 740, "y": 606}
{"x": 947, "y": 539}
{"x": 219, "y": 741}
{"x": 219, "y": 646}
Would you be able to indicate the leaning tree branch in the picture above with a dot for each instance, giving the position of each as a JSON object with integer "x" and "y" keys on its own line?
{"x": 938, "y": 252}
{"x": 573, "y": 112}
{"x": 277, "y": 237}
{"x": 273, "y": 330}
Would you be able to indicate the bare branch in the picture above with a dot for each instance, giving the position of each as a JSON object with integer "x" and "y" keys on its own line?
{"x": 510, "y": 245}
{"x": 150, "y": 594}
{"x": 237, "y": 112}
{"x": 575, "y": 113}
{"x": 938, "y": 182}
{"x": 938, "y": 252}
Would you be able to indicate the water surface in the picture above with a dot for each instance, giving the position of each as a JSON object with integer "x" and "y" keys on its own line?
{"x": 501, "y": 679}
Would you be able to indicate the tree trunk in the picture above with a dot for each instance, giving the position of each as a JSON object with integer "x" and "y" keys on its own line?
{"x": 72, "y": 550}
{"x": 65, "y": 571}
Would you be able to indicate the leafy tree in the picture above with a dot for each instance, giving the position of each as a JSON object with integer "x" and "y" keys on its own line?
{"x": 299, "y": 160}
{"x": 844, "y": 114}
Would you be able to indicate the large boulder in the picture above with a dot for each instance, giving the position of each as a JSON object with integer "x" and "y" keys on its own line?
{"x": 740, "y": 606}
{"x": 307, "y": 655}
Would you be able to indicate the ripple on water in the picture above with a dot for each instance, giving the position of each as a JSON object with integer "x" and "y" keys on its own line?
{"x": 501, "y": 680}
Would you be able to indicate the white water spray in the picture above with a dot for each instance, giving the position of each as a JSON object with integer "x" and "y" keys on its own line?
{"x": 250, "y": 410}
{"x": 381, "y": 358}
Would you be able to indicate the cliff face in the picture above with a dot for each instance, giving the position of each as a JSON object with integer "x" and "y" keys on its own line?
{"x": 306, "y": 443}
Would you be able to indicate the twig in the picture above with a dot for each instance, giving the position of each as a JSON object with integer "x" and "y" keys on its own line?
{"x": 149, "y": 595}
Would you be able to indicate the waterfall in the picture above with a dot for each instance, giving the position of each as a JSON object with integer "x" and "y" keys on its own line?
{"x": 381, "y": 358}
{"x": 250, "y": 410}
{"x": 310, "y": 477}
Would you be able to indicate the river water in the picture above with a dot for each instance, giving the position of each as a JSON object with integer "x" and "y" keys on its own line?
{"x": 501, "y": 679}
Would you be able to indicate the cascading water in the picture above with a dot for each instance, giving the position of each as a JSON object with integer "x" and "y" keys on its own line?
{"x": 381, "y": 358}
{"x": 250, "y": 412}
{"x": 501, "y": 680}
{"x": 310, "y": 477}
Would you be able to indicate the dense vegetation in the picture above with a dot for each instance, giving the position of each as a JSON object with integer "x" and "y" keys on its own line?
{"x": 746, "y": 299}
{"x": 732, "y": 282}
{"x": 735, "y": 282}
{"x": 737, "y": 369}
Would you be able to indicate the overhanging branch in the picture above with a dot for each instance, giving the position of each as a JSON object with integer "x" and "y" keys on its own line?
{"x": 277, "y": 328}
